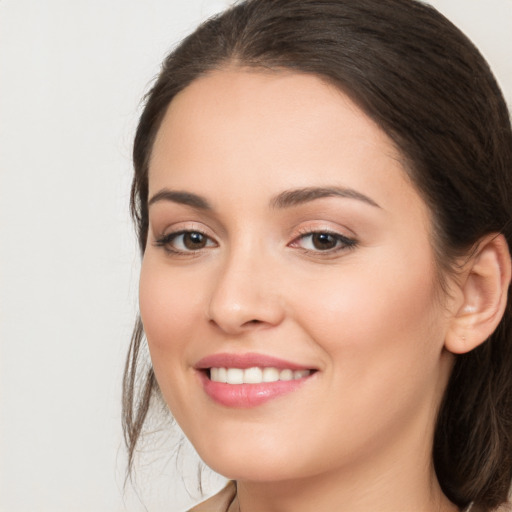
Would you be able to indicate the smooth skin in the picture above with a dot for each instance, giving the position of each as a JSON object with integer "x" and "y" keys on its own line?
{"x": 343, "y": 281}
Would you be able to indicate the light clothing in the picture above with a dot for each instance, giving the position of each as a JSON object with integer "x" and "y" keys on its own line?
{"x": 224, "y": 501}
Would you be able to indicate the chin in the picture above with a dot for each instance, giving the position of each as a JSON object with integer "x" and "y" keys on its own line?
{"x": 255, "y": 463}
{"x": 258, "y": 471}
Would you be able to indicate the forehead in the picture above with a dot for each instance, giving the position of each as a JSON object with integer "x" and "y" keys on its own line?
{"x": 259, "y": 129}
{"x": 294, "y": 104}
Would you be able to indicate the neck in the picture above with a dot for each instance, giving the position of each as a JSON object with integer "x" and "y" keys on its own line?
{"x": 349, "y": 493}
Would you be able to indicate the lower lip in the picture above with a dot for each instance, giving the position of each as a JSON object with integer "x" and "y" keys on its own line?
{"x": 248, "y": 395}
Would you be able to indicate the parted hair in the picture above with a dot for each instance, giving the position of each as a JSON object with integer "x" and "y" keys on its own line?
{"x": 430, "y": 90}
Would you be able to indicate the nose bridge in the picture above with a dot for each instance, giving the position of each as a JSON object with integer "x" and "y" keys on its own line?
{"x": 245, "y": 292}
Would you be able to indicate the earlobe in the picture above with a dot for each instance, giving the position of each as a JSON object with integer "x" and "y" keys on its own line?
{"x": 484, "y": 288}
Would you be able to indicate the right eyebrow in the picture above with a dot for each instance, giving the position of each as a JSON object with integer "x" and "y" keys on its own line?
{"x": 180, "y": 197}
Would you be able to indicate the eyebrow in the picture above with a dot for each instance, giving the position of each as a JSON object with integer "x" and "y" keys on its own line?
{"x": 299, "y": 196}
{"x": 180, "y": 197}
{"x": 285, "y": 199}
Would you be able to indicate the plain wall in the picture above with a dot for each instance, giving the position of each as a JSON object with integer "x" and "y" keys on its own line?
{"x": 72, "y": 74}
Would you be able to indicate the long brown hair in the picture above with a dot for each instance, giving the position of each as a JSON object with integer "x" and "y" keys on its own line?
{"x": 432, "y": 92}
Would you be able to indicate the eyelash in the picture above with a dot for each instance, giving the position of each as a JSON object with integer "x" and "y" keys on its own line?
{"x": 165, "y": 241}
{"x": 343, "y": 243}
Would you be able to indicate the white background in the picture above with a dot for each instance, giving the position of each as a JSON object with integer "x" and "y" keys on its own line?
{"x": 72, "y": 73}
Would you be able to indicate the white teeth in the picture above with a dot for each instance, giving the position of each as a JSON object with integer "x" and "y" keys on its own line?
{"x": 234, "y": 376}
{"x": 223, "y": 377}
{"x": 286, "y": 375}
{"x": 255, "y": 375}
{"x": 270, "y": 374}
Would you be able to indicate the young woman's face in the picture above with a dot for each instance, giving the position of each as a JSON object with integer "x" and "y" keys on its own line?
{"x": 288, "y": 289}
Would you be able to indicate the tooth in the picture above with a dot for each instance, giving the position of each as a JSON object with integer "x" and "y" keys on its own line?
{"x": 218, "y": 374}
{"x": 253, "y": 375}
{"x": 286, "y": 375}
{"x": 234, "y": 376}
{"x": 222, "y": 375}
{"x": 270, "y": 374}
{"x": 299, "y": 374}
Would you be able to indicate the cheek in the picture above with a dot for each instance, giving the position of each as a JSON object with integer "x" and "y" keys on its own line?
{"x": 379, "y": 330}
{"x": 168, "y": 307}
{"x": 384, "y": 313}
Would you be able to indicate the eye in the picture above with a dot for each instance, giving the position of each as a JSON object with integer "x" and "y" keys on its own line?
{"x": 185, "y": 241}
{"x": 323, "y": 241}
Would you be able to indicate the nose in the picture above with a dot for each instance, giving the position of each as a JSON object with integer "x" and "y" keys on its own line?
{"x": 246, "y": 294}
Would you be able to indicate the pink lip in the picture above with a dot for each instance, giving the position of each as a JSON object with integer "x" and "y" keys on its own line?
{"x": 246, "y": 395}
{"x": 247, "y": 360}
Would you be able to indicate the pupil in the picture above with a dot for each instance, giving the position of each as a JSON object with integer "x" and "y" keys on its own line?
{"x": 324, "y": 241}
{"x": 194, "y": 241}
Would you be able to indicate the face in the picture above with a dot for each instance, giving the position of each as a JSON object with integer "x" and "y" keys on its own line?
{"x": 288, "y": 290}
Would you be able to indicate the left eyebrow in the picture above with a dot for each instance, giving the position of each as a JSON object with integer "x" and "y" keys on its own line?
{"x": 298, "y": 196}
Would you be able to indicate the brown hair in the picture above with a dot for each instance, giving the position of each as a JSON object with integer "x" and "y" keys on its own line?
{"x": 432, "y": 92}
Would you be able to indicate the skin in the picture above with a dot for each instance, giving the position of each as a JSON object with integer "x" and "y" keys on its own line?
{"x": 357, "y": 436}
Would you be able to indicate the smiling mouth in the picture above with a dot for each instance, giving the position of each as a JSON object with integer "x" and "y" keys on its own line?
{"x": 242, "y": 381}
{"x": 255, "y": 375}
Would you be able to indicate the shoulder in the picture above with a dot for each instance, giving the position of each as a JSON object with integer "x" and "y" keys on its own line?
{"x": 224, "y": 501}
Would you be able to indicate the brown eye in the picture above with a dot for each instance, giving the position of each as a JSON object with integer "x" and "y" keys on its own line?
{"x": 194, "y": 240}
{"x": 184, "y": 242}
{"x": 324, "y": 241}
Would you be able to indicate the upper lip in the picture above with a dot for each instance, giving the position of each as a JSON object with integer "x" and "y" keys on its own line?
{"x": 246, "y": 360}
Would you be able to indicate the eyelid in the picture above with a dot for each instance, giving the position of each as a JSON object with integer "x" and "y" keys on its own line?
{"x": 170, "y": 233}
{"x": 348, "y": 242}
{"x": 160, "y": 229}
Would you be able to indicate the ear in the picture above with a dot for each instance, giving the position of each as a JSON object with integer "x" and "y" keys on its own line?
{"x": 483, "y": 291}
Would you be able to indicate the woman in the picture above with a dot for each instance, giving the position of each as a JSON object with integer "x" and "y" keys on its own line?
{"x": 323, "y": 199}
